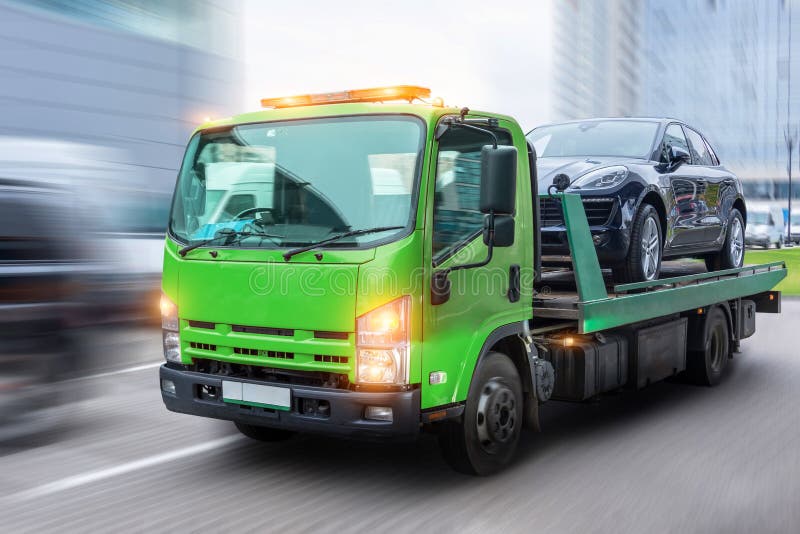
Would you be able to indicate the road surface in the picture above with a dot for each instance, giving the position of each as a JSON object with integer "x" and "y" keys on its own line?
{"x": 671, "y": 458}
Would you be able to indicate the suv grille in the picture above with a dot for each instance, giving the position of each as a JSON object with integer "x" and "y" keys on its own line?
{"x": 598, "y": 211}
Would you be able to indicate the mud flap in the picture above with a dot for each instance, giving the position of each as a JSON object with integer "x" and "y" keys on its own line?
{"x": 542, "y": 379}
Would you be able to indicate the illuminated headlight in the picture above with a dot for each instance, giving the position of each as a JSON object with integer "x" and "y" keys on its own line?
{"x": 169, "y": 314}
{"x": 169, "y": 330}
{"x": 601, "y": 178}
{"x": 382, "y": 344}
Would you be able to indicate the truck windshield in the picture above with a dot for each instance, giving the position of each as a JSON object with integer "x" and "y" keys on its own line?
{"x": 630, "y": 139}
{"x": 301, "y": 181}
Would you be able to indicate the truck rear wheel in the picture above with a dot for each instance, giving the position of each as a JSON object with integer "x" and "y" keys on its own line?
{"x": 263, "y": 433}
{"x": 485, "y": 440}
{"x": 705, "y": 367}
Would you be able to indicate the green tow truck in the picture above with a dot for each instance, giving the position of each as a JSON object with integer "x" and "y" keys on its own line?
{"x": 348, "y": 264}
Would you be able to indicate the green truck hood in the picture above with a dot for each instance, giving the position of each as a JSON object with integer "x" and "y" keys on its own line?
{"x": 276, "y": 295}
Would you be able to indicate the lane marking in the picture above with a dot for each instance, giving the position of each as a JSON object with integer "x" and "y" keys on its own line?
{"x": 102, "y": 474}
{"x": 133, "y": 369}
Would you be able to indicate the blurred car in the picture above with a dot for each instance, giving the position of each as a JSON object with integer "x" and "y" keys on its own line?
{"x": 40, "y": 303}
{"x": 794, "y": 230}
{"x": 765, "y": 227}
{"x": 122, "y": 219}
{"x": 652, "y": 188}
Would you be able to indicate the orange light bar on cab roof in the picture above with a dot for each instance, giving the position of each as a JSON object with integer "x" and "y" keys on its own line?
{"x": 375, "y": 94}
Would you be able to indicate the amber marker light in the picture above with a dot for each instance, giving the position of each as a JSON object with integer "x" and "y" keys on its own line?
{"x": 374, "y": 94}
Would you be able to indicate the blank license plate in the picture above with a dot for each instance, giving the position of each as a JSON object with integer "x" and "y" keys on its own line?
{"x": 274, "y": 397}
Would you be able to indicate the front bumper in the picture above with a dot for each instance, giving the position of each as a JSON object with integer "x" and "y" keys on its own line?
{"x": 611, "y": 243}
{"x": 345, "y": 417}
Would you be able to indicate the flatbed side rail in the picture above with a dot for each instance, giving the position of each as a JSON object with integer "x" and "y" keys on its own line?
{"x": 623, "y": 309}
{"x": 697, "y": 278}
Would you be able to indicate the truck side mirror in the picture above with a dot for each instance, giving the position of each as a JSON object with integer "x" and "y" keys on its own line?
{"x": 503, "y": 230}
{"x": 498, "y": 179}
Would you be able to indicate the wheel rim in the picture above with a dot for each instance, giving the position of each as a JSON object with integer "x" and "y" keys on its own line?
{"x": 651, "y": 248}
{"x": 737, "y": 242}
{"x": 496, "y": 419}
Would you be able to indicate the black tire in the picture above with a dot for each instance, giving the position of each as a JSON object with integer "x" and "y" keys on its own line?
{"x": 706, "y": 367}
{"x": 263, "y": 433}
{"x": 731, "y": 255}
{"x": 633, "y": 268}
{"x": 486, "y": 437}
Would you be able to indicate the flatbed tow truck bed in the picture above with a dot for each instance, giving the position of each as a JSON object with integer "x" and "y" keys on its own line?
{"x": 581, "y": 299}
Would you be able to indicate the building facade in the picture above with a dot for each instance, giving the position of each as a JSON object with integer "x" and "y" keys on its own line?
{"x": 116, "y": 87}
{"x": 597, "y": 60}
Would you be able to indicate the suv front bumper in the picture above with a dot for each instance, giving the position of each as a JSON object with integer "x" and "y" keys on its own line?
{"x": 345, "y": 416}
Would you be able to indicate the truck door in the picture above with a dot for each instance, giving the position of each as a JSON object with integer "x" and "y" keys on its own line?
{"x": 479, "y": 300}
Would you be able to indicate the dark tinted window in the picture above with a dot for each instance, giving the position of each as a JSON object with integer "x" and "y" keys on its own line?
{"x": 632, "y": 139}
{"x": 673, "y": 136}
{"x": 698, "y": 149}
{"x": 456, "y": 213}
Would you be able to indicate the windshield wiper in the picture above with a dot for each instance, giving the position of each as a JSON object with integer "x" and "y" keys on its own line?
{"x": 289, "y": 253}
{"x": 226, "y": 233}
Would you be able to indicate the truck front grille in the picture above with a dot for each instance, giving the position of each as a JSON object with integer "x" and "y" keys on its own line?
{"x": 267, "y": 353}
{"x": 268, "y": 374}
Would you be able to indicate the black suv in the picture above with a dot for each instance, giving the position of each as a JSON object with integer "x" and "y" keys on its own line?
{"x": 652, "y": 188}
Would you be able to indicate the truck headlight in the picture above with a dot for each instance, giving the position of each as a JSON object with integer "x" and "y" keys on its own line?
{"x": 601, "y": 178}
{"x": 382, "y": 344}
{"x": 170, "y": 330}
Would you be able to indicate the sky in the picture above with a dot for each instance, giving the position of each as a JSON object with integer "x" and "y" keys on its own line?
{"x": 490, "y": 56}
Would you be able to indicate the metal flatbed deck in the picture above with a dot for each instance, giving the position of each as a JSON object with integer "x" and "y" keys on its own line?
{"x": 583, "y": 296}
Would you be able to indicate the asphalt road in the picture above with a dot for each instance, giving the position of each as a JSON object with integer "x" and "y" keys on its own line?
{"x": 671, "y": 458}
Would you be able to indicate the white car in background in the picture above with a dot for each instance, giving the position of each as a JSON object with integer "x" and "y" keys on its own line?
{"x": 795, "y": 227}
{"x": 765, "y": 227}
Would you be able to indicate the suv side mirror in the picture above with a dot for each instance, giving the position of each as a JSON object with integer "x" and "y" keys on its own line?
{"x": 498, "y": 179}
{"x": 677, "y": 156}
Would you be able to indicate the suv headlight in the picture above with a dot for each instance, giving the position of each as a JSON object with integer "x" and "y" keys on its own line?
{"x": 382, "y": 344}
{"x": 170, "y": 330}
{"x": 601, "y": 178}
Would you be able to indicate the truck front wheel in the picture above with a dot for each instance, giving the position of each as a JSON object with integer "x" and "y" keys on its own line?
{"x": 263, "y": 433}
{"x": 485, "y": 440}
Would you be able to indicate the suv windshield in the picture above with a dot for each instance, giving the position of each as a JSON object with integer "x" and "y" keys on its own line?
{"x": 301, "y": 181}
{"x": 630, "y": 139}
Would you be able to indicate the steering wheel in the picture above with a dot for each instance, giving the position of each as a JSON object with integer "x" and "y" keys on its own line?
{"x": 251, "y": 211}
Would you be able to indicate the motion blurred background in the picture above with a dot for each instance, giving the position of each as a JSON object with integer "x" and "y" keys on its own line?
{"x": 97, "y": 99}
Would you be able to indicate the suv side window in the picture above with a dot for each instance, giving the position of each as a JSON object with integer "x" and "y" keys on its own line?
{"x": 699, "y": 151}
{"x": 457, "y": 218}
{"x": 714, "y": 158}
{"x": 673, "y": 136}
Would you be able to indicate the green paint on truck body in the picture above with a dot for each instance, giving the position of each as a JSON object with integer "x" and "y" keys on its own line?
{"x": 296, "y": 299}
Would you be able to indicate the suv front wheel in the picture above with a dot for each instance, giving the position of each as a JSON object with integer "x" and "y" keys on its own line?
{"x": 644, "y": 255}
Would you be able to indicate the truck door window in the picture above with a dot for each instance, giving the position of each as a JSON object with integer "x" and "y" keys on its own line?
{"x": 456, "y": 215}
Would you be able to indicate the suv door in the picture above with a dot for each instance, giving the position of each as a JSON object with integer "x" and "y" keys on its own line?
{"x": 688, "y": 192}
{"x": 712, "y": 179}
